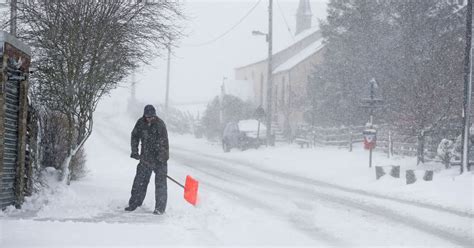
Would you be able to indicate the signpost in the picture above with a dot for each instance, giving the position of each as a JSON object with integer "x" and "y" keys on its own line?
{"x": 370, "y": 132}
{"x": 370, "y": 138}
{"x": 259, "y": 114}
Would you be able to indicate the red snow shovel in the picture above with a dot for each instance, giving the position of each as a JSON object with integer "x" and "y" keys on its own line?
{"x": 190, "y": 187}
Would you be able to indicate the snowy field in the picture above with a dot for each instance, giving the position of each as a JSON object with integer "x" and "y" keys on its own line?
{"x": 279, "y": 196}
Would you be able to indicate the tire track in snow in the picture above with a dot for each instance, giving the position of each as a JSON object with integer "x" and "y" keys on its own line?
{"x": 378, "y": 210}
{"x": 315, "y": 182}
{"x": 305, "y": 193}
{"x": 313, "y": 232}
{"x": 320, "y": 183}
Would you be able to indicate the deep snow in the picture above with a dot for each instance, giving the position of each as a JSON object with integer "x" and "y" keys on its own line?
{"x": 284, "y": 195}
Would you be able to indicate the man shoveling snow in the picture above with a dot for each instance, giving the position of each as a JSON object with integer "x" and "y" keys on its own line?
{"x": 151, "y": 131}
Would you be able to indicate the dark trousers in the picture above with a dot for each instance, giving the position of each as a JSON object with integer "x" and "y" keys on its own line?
{"x": 140, "y": 185}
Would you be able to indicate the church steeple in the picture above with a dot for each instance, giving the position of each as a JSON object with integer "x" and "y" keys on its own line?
{"x": 303, "y": 16}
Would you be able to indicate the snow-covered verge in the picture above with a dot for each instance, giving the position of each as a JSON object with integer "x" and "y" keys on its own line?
{"x": 338, "y": 166}
{"x": 247, "y": 198}
{"x": 90, "y": 212}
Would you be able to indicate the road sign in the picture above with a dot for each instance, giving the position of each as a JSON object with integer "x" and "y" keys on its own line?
{"x": 370, "y": 138}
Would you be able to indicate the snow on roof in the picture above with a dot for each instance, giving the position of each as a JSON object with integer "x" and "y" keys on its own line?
{"x": 8, "y": 38}
{"x": 301, "y": 56}
{"x": 305, "y": 33}
{"x": 301, "y": 36}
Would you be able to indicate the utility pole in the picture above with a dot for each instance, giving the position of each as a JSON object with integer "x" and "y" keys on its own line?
{"x": 372, "y": 106}
{"x": 467, "y": 89}
{"x": 221, "y": 101}
{"x": 13, "y": 15}
{"x": 270, "y": 70}
{"x": 373, "y": 84}
{"x": 168, "y": 79}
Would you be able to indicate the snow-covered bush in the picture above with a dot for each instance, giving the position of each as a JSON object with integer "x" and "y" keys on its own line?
{"x": 457, "y": 148}
{"x": 448, "y": 150}
{"x": 445, "y": 151}
{"x": 53, "y": 145}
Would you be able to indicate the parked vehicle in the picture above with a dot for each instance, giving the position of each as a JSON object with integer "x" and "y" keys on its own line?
{"x": 244, "y": 134}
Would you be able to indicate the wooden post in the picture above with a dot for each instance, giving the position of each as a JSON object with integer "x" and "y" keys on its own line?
{"x": 379, "y": 172}
{"x": 31, "y": 140}
{"x": 389, "y": 148}
{"x": 370, "y": 158}
{"x": 428, "y": 175}
{"x": 395, "y": 171}
{"x": 421, "y": 148}
{"x": 410, "y": 176}
{"x": 2, "y": 114}
{"x": 23, "y": 113}
{"x": 350, "y": 142}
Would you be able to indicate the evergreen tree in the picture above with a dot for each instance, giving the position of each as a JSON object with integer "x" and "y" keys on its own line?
{"x": 428, "y": 59}
{"x": 355, "y": 35}
{"x": 412, "y": 48}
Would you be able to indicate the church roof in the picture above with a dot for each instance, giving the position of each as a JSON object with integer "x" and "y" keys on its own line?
{"x": 299, "y": 38}
{"x": 300, "y": 57}
{"x": 304, "y": 34}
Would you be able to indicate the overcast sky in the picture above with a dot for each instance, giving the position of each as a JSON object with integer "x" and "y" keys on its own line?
{"x": 198, "y": 70}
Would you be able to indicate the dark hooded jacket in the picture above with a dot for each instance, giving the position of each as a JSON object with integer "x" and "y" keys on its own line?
{"x": 154, "y": 140}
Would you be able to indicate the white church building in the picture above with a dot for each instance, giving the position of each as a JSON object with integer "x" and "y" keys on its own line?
{"x": 291, "y": 68}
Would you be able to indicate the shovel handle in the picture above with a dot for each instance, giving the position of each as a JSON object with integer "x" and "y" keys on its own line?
{"x": 170, "y": 178}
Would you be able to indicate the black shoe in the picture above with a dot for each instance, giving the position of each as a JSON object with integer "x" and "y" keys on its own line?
{"x": 157, "y": 212}
{"x": 130, "y": 208}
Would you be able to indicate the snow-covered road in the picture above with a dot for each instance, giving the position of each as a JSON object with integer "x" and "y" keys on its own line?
{"x": 328, "y": 213}
{"x": 241, "y": 203}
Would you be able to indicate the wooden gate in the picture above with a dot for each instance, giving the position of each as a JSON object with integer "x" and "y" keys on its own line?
{"x": 15, "y": 61}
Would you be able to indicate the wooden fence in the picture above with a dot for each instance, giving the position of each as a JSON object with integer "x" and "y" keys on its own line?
{"x": 14, "y": 67}
{"x": 388, "y": 141}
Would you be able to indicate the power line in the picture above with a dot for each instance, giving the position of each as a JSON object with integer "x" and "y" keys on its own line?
{"x": 284, "y": 19}
{"x": 228, "y": 31}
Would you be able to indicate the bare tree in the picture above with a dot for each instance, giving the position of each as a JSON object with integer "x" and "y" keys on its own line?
{"x": 84, "y": 48}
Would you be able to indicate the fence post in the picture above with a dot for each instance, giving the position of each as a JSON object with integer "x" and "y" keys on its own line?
{"x": 421, "y": 148}
{"x": 389, "y": 148}
{"x": 350, "y": 141}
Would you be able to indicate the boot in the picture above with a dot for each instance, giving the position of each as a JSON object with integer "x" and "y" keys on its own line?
{"x": 130, "y": 208}
{"x": 157, "y": 212}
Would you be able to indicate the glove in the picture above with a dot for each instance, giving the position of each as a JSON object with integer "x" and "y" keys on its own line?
{"x": 135, "y": 156}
